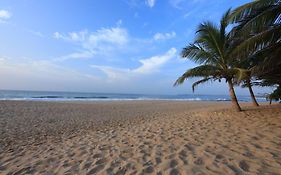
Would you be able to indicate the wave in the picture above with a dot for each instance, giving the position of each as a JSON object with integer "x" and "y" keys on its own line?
{"x": 67, "y": 96}
{"x": 105, "y": 98}
{"x": 222, "y": 99}
{"x": 49, "y": 96}
{"x": 102, "y": 97}
{"x": 53, "y": 98}
{"x": 63, "y": 97}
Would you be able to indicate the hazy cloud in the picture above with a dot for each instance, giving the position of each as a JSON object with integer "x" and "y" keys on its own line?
{"x": 150, "y": 3}
{"x": 5, "y": 15}
{"x": 164, "y": 36}
{"x": 114, "y": 35}
{"x": 176, "y": 3}
{"x": 148, "y": 66}
{"x": 41, "y": 75}
{"x": 102, "y": 41}
{"x": 154, "y": 63}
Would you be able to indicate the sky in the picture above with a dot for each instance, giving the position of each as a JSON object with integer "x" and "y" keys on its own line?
{"x": 118, "y": 46}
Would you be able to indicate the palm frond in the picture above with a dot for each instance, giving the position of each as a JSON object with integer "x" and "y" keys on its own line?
{"x": 259, "y": 41}
{"x": 224, "y": 23}
{"x": 258, "y": 21}
{"x": 247, "y": 9}
{"x": 195, "y": 84}
{"x": 198, "y": 54}
{"x": 199, "y": 71}
{"x": 263, "y": 18}
{"x": 241, "y": 74}
{"x": 209, "y": 37}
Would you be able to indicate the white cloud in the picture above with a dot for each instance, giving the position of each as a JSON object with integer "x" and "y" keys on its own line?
{"x": 119, "y": 22}
{"x": 138, "y": 3}
{"x": 57, "y": 35}
{"x": 148, "y": 66}
{"x": 177, "y": 3}
{"x": 114, "y": 73}
{"x": 181, "y": 4}
{"x": 102, "y": 41}
{"x": 114, "y": 35}
{"x": 154, "y": 63}
{"x": 85, "y": 54}
{"x": 164, "y": 36}
{"x": 106, "y": 42}
{"x": 150, "y": 3}
{"x": 186, "y": 15}
{"x": 5, "y": 15}
{"x": 72, "y": 36}
{"x": 76, "y": 55}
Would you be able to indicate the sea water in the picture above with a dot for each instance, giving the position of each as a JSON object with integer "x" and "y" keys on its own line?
{"x": 86, "y": 96}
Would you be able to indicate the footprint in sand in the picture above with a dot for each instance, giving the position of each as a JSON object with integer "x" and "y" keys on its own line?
{"x": 121, "y": 171}
{"x": 183, "y": 156}
{"x": 26, "y": 170}
{"x": 101, "y": 161}
{"x": 96, "y": 156}
{"x": 234, "y": 169}
{"x": 174, "y": 172}
{"x": 173, "y": 163}
{"x": 87, "y": 165}
{"x": 96, "y": 169}
{"x": 149, "y": 170}
{"x": 244, "y": 165}
{"x": 158, "y": 160}
{"x": 199, "y": 161}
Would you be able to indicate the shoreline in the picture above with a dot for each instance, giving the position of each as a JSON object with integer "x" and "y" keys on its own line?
{"x": 80, "y": 96}
{"x": 138, "y": 137}
{"x": 117, "y": 100}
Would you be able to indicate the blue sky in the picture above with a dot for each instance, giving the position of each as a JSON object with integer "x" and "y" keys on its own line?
{"x": 122, "y": 46}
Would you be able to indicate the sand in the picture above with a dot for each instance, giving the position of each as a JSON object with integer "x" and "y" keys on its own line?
{"x": 138, "y": 137}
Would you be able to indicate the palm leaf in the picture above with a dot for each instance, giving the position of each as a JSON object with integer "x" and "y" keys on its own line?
{"x": 195, "y": 84}
{"x": 242, "y": 74}
{"x": 260, "y": 20}
{"x": 199, "y": 71}
{"x": 198, "y": 54}
{"x": 259, "y": 41}
{"x": 210, "y": 38}
{"x": 247, "y": 9}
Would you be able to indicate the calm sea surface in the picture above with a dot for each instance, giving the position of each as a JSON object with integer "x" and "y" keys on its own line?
{"x": 78, "y": 96}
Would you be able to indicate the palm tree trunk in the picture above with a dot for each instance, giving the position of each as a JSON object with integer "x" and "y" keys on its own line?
{"x": 232, "y": 94}
{"x": 255, "y": 103}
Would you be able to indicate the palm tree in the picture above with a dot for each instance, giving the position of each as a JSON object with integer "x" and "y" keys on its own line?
{"x": 259, "y": 24}
{"x": 275, "y": 95}
{"x": 249, "y": 86}
{"x": 212, "y": 49}
{"x": 244, "y": 77}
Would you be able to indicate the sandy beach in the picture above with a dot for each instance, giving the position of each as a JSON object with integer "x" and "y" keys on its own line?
{"x": 139, "y": 137}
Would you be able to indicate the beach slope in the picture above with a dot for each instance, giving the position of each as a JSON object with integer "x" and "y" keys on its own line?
{"x": 138, "y": 137}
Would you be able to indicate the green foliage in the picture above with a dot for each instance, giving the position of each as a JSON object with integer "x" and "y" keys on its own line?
{"x": 276, "y": 94}
{"x": 212, "y": 49}
{"x": 258, "y": 28}
{"x": 250, "y": 51}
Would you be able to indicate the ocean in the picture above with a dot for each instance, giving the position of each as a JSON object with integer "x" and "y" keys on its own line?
{"x": 82, "y": 96}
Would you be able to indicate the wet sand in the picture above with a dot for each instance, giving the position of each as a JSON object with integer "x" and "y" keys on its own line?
{"x": 138, "y": 137}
